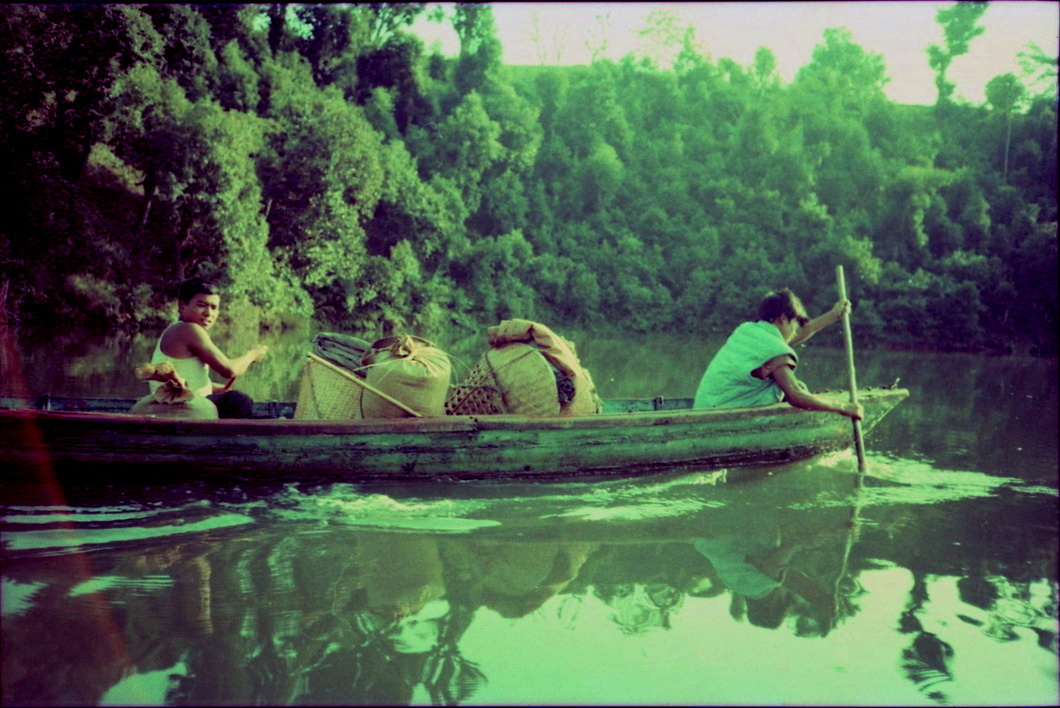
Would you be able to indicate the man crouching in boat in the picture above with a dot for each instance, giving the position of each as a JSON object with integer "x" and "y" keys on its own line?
{"x": 187, "y": 346}
{"x": 756, "y": 365}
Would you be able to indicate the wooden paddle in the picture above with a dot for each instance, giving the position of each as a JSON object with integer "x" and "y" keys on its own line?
{"x": 859, "y": 445}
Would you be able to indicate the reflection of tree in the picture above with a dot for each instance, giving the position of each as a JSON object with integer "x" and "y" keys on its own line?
{"x": 398, "y": 609}
{"x": 297, "y": 618}
{"x": 450, "y": 678}
{"x": 1008, "y": 605}
{"x": 383, "y": 627}
{"x": 372, "y": 661}
{"x": 90, "y": 625}
{"x": 645, "y": 584}
{"x": 309, "y": 616}
{"x": 1003, "y": 556}
{"x": 926, "y": 661}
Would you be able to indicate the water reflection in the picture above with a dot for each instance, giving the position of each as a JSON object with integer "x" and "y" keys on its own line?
{"x": 364, "y": 618}
{"x": 293, "y": 599}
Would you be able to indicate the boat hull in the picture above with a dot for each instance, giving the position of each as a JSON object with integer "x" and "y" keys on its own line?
{"x": 102, "y": 446}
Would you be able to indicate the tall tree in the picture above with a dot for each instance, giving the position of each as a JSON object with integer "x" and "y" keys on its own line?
{"x": 959, "y": 27}
{"x": 665, "y": 39}
{"x": 480, "y": 50}
{"x": 1005, "y": 93}
{"x": 831, "y": 98}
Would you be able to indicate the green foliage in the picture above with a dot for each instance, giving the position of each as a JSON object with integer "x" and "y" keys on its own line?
{"x": 959, "y": 27}
{"x": 1040, "y": 70}
{"x": 319, "y": 162}
{"x": 480, "y": 50}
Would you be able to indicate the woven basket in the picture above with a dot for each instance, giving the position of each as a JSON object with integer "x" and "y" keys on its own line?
{"x": 324, "y": 394}
{"x": 514, "y": 378}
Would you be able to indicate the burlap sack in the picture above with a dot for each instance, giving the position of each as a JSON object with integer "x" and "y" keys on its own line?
{"x": 410, "y": 370}
{"x": 172, "y": 398}
{"x": 560, "y": 353}
{"x": 514, "y": 378}
{"x": 198, "y": 408}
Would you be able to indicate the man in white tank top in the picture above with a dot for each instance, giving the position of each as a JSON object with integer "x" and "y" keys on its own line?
{"x": 186, "y": 344}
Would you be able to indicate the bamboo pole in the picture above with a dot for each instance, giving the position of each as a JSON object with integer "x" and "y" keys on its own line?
{"x": 859, "y": 444}
{"x": 363, "y": 384}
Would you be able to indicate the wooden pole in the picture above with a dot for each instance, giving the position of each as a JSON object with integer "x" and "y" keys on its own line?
{"x": 363, "y": 384}
{"x": 859, "y": 445}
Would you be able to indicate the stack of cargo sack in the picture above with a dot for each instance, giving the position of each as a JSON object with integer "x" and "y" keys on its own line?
{"x": 347, "y": 378}
{"x": 529, "y": 370}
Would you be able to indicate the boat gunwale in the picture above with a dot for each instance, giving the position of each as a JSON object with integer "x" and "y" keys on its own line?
{"x": 436, "y": 424}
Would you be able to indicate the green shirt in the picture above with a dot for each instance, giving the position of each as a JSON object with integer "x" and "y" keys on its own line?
{"x": 728, "y": 381}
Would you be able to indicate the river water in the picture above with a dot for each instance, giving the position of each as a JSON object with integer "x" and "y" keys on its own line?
{"x": 932, "y": 580}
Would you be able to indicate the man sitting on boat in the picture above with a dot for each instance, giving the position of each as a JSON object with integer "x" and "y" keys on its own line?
{"x": 756, "y": 365}
{"x": 187, "y": 346}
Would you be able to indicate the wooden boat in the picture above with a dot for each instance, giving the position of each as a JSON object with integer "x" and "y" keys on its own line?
{"x": 95, "y": 439}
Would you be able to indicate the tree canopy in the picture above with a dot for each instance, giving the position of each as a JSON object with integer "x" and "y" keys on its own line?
{"x": 321, "y": 163}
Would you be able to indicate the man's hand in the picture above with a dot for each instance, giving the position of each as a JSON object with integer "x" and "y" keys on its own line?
{"x": 854, "y": 410}
{"x": 841, "y": 308}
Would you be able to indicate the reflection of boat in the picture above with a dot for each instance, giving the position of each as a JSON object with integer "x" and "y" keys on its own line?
{"x": 281, "y": 613}
{"x": 630, "y": 437}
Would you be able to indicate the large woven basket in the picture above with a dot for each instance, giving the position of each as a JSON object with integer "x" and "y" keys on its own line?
{"x": 325, "y": 394}
{"x": 515, "y": 378}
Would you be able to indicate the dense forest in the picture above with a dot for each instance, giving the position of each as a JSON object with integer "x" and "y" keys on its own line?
{"x": 320, "y": 162}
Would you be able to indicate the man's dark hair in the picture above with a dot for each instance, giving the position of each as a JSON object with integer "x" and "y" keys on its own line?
{"x": 782, "y": 302}
{"x": 193, "y": 286}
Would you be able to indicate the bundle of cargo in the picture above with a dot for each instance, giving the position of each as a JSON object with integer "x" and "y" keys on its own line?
{"x": 405, "y": 376}
{"x": 170, "y": 396}
{"x": 347, "y": 378}
{"x": 529, "y": 370}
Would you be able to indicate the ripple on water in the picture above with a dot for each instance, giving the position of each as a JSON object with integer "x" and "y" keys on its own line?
{"x": 58, "y": 530}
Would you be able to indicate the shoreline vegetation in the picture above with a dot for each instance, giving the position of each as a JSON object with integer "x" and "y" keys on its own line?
{"x": 331, "y": 172}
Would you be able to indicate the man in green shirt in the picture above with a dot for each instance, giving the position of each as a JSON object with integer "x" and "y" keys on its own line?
{"x": 756, "y": 365}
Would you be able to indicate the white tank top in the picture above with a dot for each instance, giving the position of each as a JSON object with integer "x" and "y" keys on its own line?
{"x": 193, "y": 370}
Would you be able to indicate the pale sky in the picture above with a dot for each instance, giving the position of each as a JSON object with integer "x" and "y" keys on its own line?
{"x": 900, "y": 30}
